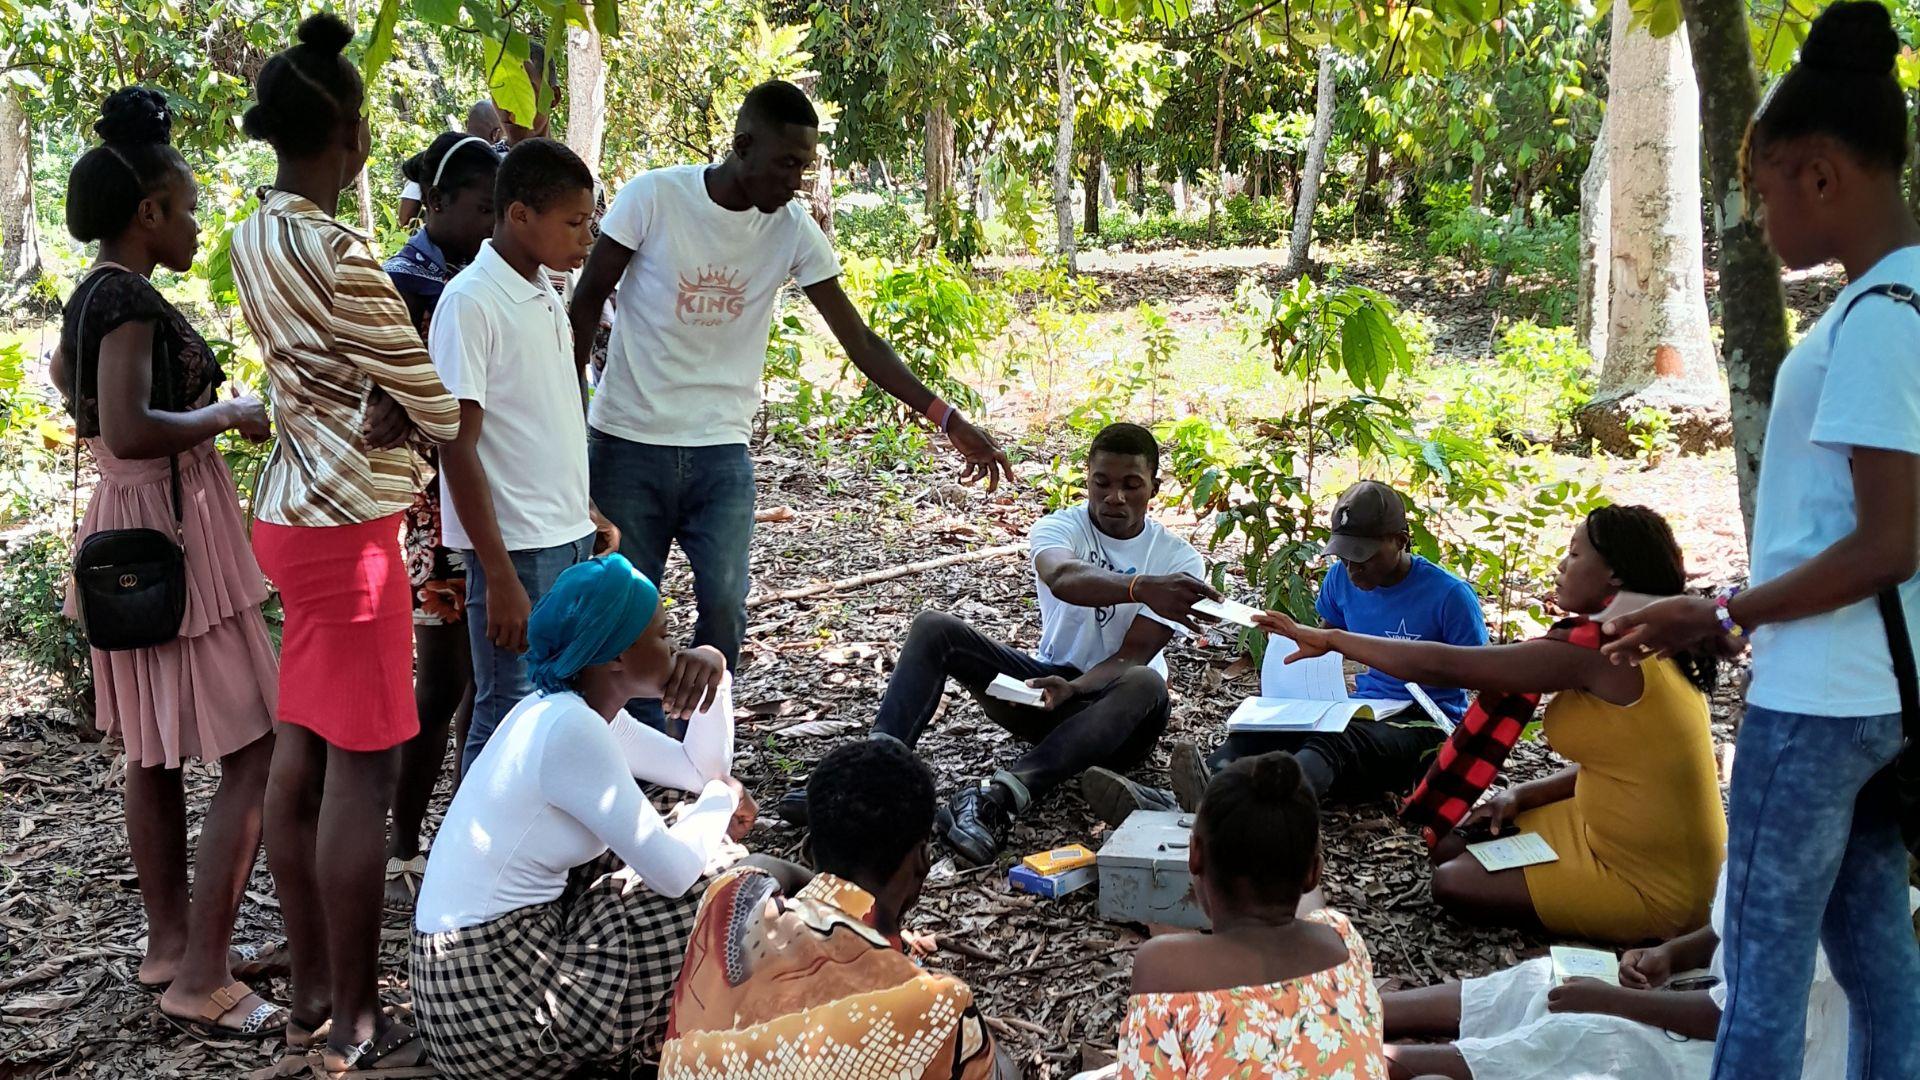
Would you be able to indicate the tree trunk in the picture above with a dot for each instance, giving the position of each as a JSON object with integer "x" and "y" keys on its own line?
{"x": 1659, "y": 347}
{"x": 1596, "y": 216}
{"x": 939, "y": 157}
{"x": 1477, "y": 187}
{"x": 1090, "y": 216}
{"x": 19, "y": 232}
{"x": 1219, "y": 136}
{"x": 1753, "y": 307}
{"x": 1302, "y": 241}
{"x": 1063, "y": 142}
{"x": 586, "y": 95}
{"x": 1137, "y": 187}
{"x": 362, "y": 184}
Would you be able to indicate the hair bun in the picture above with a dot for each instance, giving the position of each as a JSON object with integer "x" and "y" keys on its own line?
{"x": 135, "y": 114}
{"x": 1855, "y": 37}
{"x": 1276, "y": 777}
{"x": 325, "y": 33}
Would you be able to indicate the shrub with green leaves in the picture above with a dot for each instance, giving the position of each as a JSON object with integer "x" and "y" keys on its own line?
{"x": 33, "y": 584}
{"x": 886, "y": 230}
{"x": 1539, "y": 378}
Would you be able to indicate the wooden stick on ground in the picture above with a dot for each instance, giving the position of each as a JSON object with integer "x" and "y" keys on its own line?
{"x": 874, "y": 577}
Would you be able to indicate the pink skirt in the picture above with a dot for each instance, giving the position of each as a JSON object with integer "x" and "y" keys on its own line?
{"x": 211, "y": 690}
{"x": 346, "y": 652}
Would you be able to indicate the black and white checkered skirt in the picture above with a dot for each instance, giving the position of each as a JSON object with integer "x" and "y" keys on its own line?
{"x": 538, "y": 993}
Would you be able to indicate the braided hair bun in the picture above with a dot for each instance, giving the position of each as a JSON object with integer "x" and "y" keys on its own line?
{"x": 325, "y": 33}
{"x": 1259, "y": 824}
{"x": 135, "y": 115}
{"x": 1856, "y": 37}
{"x": 304, "y": 93}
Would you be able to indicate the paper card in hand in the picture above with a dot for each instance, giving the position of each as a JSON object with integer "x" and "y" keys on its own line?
{"x": 1573, "y": 962}
{"x": 1513, "y": 852}
{"x": 1007, "y": 688}
{"x": 1228, "y": 611}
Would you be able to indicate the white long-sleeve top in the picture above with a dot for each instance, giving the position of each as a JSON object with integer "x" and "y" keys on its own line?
{"x": 558, "y": 785}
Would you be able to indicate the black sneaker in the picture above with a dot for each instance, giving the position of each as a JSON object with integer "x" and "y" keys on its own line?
{"x": 792, "y": 807}
{"x": 1190, "y": 773}
{"x": 974, "y": 824}
{"x": 1113, "y": 798}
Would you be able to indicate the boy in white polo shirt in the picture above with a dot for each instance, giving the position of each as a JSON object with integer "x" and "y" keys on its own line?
{"x": 514, "y": 482}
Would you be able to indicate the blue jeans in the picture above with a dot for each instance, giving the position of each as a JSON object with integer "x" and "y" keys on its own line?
{"x": 500, "y": 677}
{"x": 700, "y": 496}
{"x": 1814, "y": 854}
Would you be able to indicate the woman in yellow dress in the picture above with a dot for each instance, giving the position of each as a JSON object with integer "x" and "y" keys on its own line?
{"x": 1636, "y": 820}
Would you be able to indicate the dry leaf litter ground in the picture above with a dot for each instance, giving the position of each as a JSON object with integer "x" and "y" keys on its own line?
{"x": 1051, "y": 975}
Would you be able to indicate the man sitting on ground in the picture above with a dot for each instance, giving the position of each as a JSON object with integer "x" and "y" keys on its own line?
{"x": 817, "y": 983}
{"x": 1113, "y": 584}
{"x": 1376, "y": 587}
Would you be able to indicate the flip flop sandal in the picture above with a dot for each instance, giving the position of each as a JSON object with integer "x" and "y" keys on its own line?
{"x": 370, "y": 1059}
{"x": 260, "y": 961}
{"x": 257, "y": 1025}
{"x": 409, "y": 873}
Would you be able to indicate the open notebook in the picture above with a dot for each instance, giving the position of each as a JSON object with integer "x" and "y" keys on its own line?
{"x": 1307, "y": 696}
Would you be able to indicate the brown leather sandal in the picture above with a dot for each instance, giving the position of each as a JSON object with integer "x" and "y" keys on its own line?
{"x": 264, "y": 1021}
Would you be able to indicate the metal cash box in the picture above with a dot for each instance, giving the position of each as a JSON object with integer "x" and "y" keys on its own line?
{"x": 1143, "y": 872}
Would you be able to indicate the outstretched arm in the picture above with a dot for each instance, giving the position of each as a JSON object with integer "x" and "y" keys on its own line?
{"x": 877, "y": 361}
{"x": 1082, "y": 584}
{"x": 1538, "y": 666}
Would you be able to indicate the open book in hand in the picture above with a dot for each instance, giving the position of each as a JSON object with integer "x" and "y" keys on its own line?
{"x": 1574, "y": 962}
{"x": 1309, "y": 695}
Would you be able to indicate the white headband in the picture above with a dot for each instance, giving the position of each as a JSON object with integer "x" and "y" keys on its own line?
{"x": 454, "y": 149}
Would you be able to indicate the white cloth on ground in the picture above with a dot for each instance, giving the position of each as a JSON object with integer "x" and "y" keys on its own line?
{"x": 556, "y": 787}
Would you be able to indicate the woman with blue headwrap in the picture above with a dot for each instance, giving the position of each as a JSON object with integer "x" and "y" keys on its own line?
{"x": 525, "y": 962}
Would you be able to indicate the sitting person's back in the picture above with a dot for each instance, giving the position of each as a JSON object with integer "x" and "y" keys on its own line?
{"x": 1280, "y": 984}
{"x": 818, "y": 984}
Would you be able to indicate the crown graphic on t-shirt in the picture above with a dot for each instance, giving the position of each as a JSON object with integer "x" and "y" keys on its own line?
{"x": 719, "y": 279}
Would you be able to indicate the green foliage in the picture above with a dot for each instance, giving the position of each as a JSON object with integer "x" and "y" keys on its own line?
{"x": 1536, "y": 254}
{"x": 934, "y": 317}
{"x": 886, "y": 230}
{"x": 1059, "y": 305}
{"x": 1540, "y": 376}
{"x": 33, "y": 581}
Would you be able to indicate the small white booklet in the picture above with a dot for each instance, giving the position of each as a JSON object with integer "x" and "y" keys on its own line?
{"x": 1310, "y": 695}
{"x": 1573, "y": 962}
{"x": 1230, "y": 611}
{"x": 1433, "y": 711}
{"x": 1007, "y": 688}
{"x": 1513, "y": 852}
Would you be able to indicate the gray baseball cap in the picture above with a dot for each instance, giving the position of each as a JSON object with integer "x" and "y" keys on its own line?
{"x": 1367, "y": 514}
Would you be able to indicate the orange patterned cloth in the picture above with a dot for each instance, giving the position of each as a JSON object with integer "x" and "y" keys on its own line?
{"x": 1324, "y": 1026}
{"x": 783, "y": 989}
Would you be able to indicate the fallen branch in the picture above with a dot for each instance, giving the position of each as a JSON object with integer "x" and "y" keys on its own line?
{"x": 874, "y": 577}
{"x": 1061, "y": 965}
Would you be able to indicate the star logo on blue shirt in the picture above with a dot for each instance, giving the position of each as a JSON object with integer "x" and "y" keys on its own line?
{"x": 1402, "y": 634}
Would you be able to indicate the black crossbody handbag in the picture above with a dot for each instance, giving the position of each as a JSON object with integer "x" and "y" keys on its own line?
{"x": 1904, "y": 773}
{"x": 129, "y": 584}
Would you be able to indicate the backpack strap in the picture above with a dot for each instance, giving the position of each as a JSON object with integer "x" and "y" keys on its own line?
{"x": 1893, "y": 613}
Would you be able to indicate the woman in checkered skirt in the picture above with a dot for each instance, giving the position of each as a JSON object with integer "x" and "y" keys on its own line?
{"x": 528, "y": 962}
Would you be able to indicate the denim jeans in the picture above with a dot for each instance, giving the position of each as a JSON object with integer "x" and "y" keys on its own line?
{"x": 500, "y": 675}
{"x": 1114, "y": 727}
{"x": 700, "y": 496}
{"x": 1814, "y": 854}
{"x": 1366, "y": 760}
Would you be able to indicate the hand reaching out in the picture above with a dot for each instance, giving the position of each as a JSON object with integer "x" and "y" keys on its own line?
{"x": 1661, "y": 629}
{"x": 1310, "y": 641}
{"x": 985, "y": 460}
{"x": 1172, "y": 596}
{"x": 248, "y": 417}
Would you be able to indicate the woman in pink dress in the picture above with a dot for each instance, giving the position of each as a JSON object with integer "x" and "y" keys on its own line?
{"x": 142, "y": 388}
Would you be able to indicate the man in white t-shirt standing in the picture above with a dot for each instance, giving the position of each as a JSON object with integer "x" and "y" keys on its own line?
{"x": 1113, "y": 584}
{"x": 700, "y": 254}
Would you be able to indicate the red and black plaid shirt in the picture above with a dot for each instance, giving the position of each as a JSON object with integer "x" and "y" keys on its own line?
{"x": 1471, "y": 757}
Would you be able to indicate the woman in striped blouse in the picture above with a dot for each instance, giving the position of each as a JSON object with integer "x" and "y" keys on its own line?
{"x": 353, "y": 393}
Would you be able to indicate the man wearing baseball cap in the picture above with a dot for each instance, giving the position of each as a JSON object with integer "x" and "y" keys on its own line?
{"x": 1376, "y": 586}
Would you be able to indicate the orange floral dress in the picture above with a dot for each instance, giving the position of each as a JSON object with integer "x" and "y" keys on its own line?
{"x": 1324, "y": 1026}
